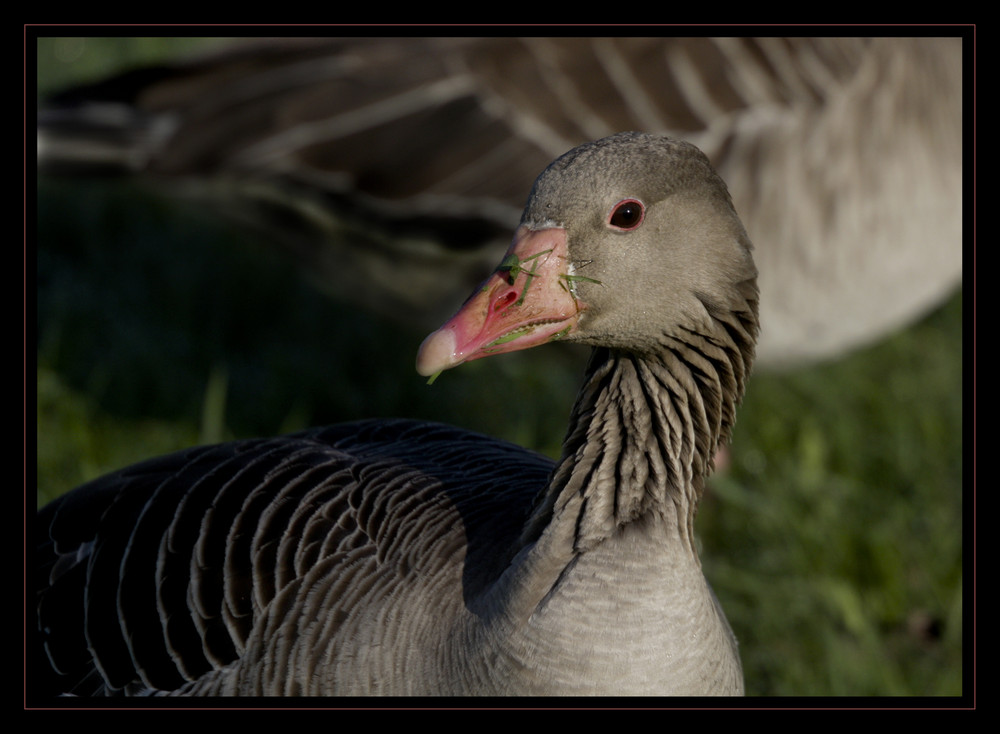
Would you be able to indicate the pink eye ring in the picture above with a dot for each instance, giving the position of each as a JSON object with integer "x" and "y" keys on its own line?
{"x": 627, "y": 214}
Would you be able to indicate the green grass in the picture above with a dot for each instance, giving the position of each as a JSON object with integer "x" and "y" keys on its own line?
{"x": 834, "y": 540}
{"x": 66, "y": 60}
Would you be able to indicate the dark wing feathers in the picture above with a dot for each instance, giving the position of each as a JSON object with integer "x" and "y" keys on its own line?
{"x": 164, "y": 572}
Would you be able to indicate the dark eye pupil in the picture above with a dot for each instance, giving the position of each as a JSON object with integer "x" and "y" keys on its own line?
{"x": 627, "y": 215}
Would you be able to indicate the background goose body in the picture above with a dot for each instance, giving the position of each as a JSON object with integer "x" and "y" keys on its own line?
{"x": 844, "y": 155}
{"x": 411, "y": 558}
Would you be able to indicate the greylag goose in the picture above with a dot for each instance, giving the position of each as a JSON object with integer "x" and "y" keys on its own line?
{"x": 844, "y": 155}
{"x": 398, "y": 557}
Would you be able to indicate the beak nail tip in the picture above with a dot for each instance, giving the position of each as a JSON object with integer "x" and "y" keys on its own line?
{"x": 436, "y": 353}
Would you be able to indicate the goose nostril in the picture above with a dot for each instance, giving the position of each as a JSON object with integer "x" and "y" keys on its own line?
{"x": 505, "y": 300}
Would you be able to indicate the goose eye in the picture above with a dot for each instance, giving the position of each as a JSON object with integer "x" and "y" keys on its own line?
{"x": 627, "y": 214}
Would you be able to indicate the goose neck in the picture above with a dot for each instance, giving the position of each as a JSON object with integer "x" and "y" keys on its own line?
{"x": 642, "y": 437}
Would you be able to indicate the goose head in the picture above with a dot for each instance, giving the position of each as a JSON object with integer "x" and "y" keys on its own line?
{"x": 623, "y": 242}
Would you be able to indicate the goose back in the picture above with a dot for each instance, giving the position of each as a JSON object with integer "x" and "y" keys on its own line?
{"x": 186, "y": 563}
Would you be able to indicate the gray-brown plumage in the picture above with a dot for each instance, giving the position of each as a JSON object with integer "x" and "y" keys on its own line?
{"x": 396, "y": 557}
{"x": 844, "y": 156}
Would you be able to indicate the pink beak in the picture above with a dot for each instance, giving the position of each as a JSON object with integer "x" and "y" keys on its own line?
{"x": 529, "y": 300}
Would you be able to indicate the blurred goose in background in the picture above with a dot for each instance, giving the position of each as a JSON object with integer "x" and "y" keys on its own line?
{"x": 394, "y": 169}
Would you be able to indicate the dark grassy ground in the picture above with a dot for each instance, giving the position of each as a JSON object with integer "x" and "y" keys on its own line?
{"x": 834, "y": 540}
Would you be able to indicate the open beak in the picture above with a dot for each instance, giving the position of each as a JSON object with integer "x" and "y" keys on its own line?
{"x": 529, "y": 300}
